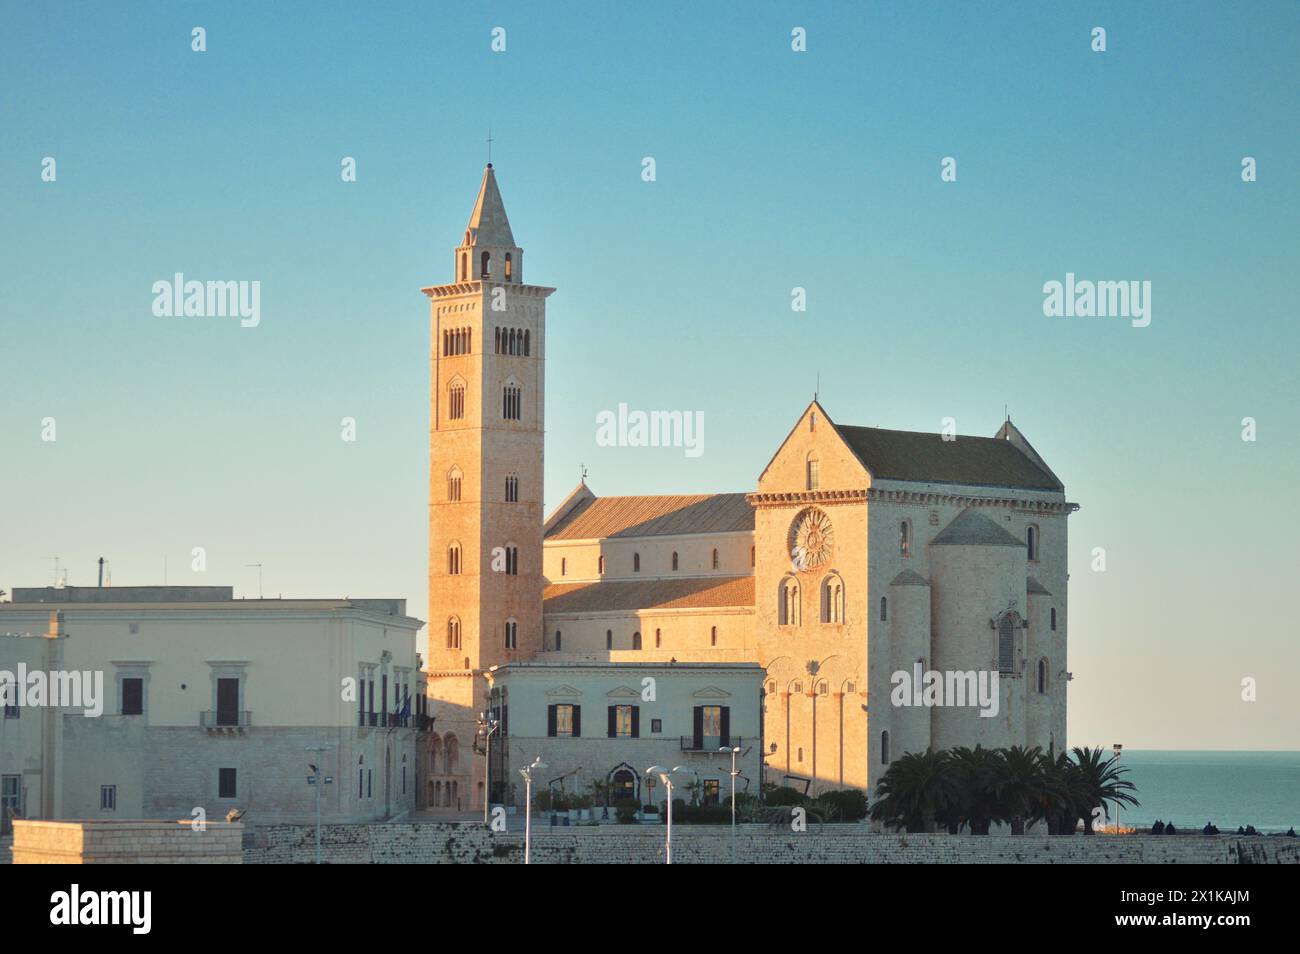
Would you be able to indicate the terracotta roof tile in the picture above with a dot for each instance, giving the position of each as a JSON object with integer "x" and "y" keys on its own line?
{"x": 651, "y": 516}
{"x": 613, "y": 595}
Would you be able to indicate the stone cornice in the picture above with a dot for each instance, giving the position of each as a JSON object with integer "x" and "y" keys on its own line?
{"x": 918, "y": 497}
{"x": 466, "y": 288}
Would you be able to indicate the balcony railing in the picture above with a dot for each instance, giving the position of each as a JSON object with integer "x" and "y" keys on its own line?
{"x": 225, "y": 719}
{"x": 710, "y": 743}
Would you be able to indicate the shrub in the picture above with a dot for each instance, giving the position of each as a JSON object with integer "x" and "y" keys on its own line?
{"x": 847, "y": 804}
{"x": 783, "y": 795}
{"x": 625, "y": 810}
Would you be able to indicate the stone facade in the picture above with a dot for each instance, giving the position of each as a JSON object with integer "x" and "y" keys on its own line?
{"x": 708, "y": 844}
{"x": 126, "y": 843}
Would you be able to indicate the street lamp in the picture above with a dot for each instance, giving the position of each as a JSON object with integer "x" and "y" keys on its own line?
{"x": 734, "y": 750}
{"x": 1117, "y": 749}
{"x": 665, "y": 775}
{"x": 527, "y": 773}
{"x": 487, "y": 725}
{"x": 315, "y": 779}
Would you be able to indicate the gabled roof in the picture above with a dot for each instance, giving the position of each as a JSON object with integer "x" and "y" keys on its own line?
{"x": 488, "y": 224}
{"x": 970, "y": 528}
{"x": 928, "y": 458}
{"x": 613, "y": 595}
{"x": 602, "y": 517}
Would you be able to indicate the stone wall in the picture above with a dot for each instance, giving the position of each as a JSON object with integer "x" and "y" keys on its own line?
{"x": 456, "y": 843}
{"x": 125, "y": 843}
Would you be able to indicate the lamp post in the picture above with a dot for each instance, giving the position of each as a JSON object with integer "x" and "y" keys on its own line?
{"x": 527, "y": 773}
{"x": 665, "y": 775}
{"x": 1117, "y": 749}
{"x": 734, "y": 750}
{"x": 315, "y": 779}
{"x": 487, "y": 725}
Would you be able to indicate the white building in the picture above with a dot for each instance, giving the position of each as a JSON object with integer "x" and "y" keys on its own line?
{"x": 607, "y": 723}
{"x": 211, "y": 702}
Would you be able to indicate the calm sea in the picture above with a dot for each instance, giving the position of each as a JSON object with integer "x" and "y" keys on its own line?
{"x": 1230, "y": 789}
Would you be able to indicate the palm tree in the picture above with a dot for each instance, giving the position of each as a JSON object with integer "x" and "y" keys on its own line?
{"x": 976, "y": 772}
{"x": 1019, "y": 785}
{"x": 1063, "y": 795}
{"x": 1100, "y": 781}
{"x": 915, "y": 789}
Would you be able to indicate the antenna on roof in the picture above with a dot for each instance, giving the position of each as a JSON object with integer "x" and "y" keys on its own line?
{"x": 583, "y": 478}
{"x": 818, "y": 388}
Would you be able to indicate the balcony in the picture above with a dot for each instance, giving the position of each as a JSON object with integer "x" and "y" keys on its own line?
{"x": 709, "y": 743}
{"x": 226, "y": 720}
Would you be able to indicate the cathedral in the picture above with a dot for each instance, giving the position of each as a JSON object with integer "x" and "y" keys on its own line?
{"x": 861, "y": 554}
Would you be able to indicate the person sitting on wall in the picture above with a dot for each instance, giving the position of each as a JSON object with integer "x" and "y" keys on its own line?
{"x": 1170, "y": 829}
{"x": 1158, "y": 828}
{"x": 1250, "y": 830}
{"x": 1290, "y": 832}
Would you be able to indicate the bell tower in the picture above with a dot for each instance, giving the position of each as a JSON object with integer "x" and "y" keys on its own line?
{"x": 485, "y": 484}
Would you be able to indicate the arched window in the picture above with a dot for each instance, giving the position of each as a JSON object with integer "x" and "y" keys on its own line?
{"x": 453, "y": 484}
{"x": 456, "y": 403}
{"x": 658, "y": 638}
{"x": 464, "y": 266}
{"x": 814, "y": 473}
{"x": 512, "y": 342}
{"x": 527, "y": 335}
{"x": 812, "y": 421}
{"x": 512, "y": 634}
{"x": 564, "y": 566}
{"x": 511, "y": 402}
{"x": 453, "y": 632}
{"x": 512, "y": 561}
{"x": 558, "y": 642}
{"x": 884, "y": 747}
{"x": 1053, "y": 619}
{"x": 884, "y": 609}
{"x": 497, "y": 338}
{"x": 483, "y": 265}
{"x": 609, "y": 639}
{"x": 715, "y": 559}
{"x": 789, "y": 615}
{"x": 451, "y": 750}
{"x": 509, "y": 270}
{"x": 832, "y": 600}
{"x": 1007, "y": 643}
{"x": 751, "y": 558}
{"x": 674, "y": 559}
{"x": 600, "y": 565}
{"x": 713, "y": 636}
{"x": 905, "y": 538}
{"x": 1031, "y": 538}
{"x": 636, "y": 640}
{"x": 453, "y": 559}
{"x": 1042, "y": 676}
{"x": 636, "y": 563}
{"x": 512, "y": 488}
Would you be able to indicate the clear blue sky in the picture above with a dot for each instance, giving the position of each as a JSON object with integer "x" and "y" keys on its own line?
{"x": 775, "y": 170}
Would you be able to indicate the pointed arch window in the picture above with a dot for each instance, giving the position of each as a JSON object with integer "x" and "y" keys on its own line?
{"x": 453, "y": 560}
{"x": 884, "y": 609}
{"x": 905, "y": 538}
{"x": 512, "y": 560}
{"x": 456, "y": 401}
{"x": 636, "y": 563}
{"x": 713, "y": 636}
{"x": 511, "y": 402}
{"x": 1031, "y": 539}
{"x": 1007, "y": 643}
{"x": 453, "y": 632}
{"x": 484, "y": 259}
{"x": 1042, "y": 676}
{"x": 609, "y": 639}
{"x": 454, "y": 477}
{"x": 509, "y": 269}
{"x": 658, "y": 638}
{"x": 558, "y": 641}
{"x": 512, "y": 488}
{"x": 636, "y": 640}
{"x": 512, "y": 634}
{"x": 674, "y": 559}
